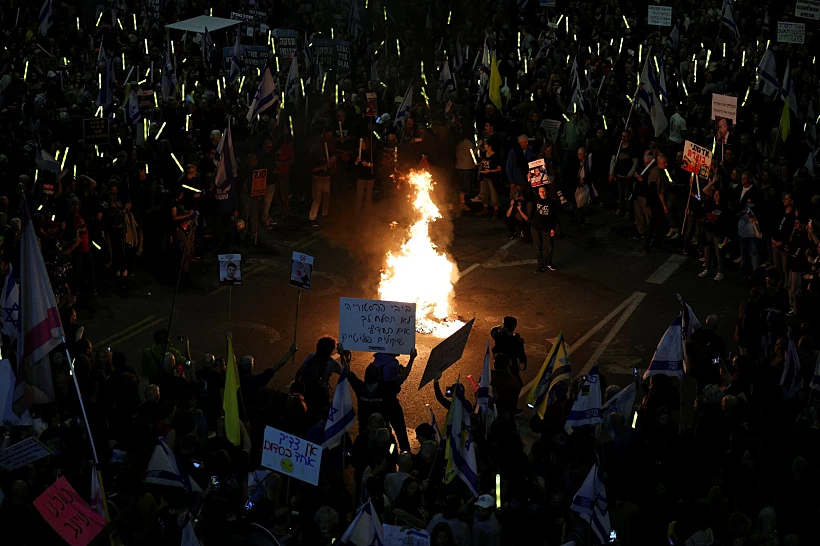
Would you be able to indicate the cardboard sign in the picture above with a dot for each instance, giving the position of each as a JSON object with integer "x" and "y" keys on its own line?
{"x": 68, "y": 514}
{"x": 791, "y": 33}
{"x": 230, "y": 269}
{"x": 696, "y": 159}
{"x": 724, "y": 106}
{"x": 291, "y": 456}
{"x": 301, "y": 271}
{"x": 285, "y": 43}
{"x": 96, "y": 131}
{"x": 660, "y": 16}
{"x": 23, "y": 453}
{"x": 807, "y": 9}
{"x": 537, "y": 173}
{"x": 550, "y": 127}
{"x": 395, "y": 535}
{"x": 446, "y": 353}
{"x": 377, "y": 326}
{"x": 259, "y": 181}
{"x": 371, "y": 105}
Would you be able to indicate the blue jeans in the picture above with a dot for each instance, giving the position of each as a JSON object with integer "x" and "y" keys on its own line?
{"x": 749, "y": 254}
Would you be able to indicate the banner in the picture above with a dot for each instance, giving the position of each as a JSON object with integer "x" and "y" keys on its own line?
{"x": 285, "y": 43}
{"x": 68, "y": 514}
{"x": 377, "y": 326}
{"x": 96, "y": 131}
{"x": 230, "y": 269}
{"x": 291, "y": 456}
{"x": 446, "y": 353}
{"x": 696, "y": 159}
{"x": 301, "y": 271}
{"x": 660, "y": 16}
{"x": 724, "y": 106}
{"x": 807, "y": 9}
{"x": 22, "y": 453}
{"x": 252, "y": 57}
{"x": 791, "y": 33}
{"x": 537, "y": 174}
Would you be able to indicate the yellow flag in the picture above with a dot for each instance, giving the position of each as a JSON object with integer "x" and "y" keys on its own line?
{"x": 785, "y": 121}
{"x": 495, "y": 84}
{"x": 230, "y": 403}
{"x": 556, "y": 369}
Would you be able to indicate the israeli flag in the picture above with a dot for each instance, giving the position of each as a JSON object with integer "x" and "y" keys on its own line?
{"x": 265, "y": 95}
{"x": 767, "y": 74}
{"x": 207, "y": 47}
{"x": 132, "y": 109}
{"x": 366, "y": 529}
{"x": 484, "y": 397}
{"x": 46, "y": 18}
{"x": 46, "y": 162}
{"x": 169, "y": 78}
{"x": 163, "y": 469}
{"x": 729, "y": 18}
{"x": 292, "y": 85}
{"x": 623, "y": 402}
{"x": 227, "y": 168}
{"x": 815, "y": 379}
{"x": 576, "y": 101}
{"x": 458, "y": 55}
{"x": 670, "y": 355}
{"x": 341, "y": 416}
{"x": 236, "y": 60}
{"x": 649, "y": 97}
{"x": 587, "y": 407}
{"x": 484, "y": 74}
{"x": 446, "y": 83}
{"x": 460, "y": 450}
{"x": 11, "y": 305}
{"x": 591, "y": 504}
{"x": 105, "y": 98}
{"x": 404, "y": 108}
{"x": 790, "y": 380}
{"x": 673, "y": 40}
{"x": 354, "y": 21}
{"x": 787, "y": 90}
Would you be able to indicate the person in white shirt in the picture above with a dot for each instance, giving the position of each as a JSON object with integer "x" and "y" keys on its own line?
{"x": 677, "y": 127}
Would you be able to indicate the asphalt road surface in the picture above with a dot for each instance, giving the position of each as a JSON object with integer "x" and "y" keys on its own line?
{"x": 611, "y": 299}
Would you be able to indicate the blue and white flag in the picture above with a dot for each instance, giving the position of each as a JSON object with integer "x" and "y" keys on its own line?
{"x": 623, "y": 402}
{"x": 484, "y": 74}
{"x": 767, "y": 82}
{"x": 664, "y": 96}
{"x": 132, "y": 109}
{"x": 265, "y": 95}
{"x": 292, "y": 84}
{"x": 591, "y": 504}
{"x": 366, "y": 529}
{"x": 434, "y": 424}
{"x": 458, "y": 55}
{"x": 46, "y": 162}
{"x": 207, "y": 47}
{"x": 105, "y": 98}
{"x": 460, "y": 449}
{"x": 226, "y": 169}
{"x": 766, "y": 29}
{"x": 404, "y": 108}
{"x": 670, "y": 355}
{"x": 101, "y": 55}
{"x": 673, "y": 40}
{"x": 729, "y": 18}
{"x": 446, "y": 83}
{"x": 649, "y": 97}
{"x": 790, "y": 379}
{"x": 484, "y": 397}
{"x": 587, "y": 407}
{"x": 576, "y": 101}
{"x": 11, "y": 305}
{"x": 46, "y": 18}
{"x": 787, "y": 90}
{"x": 163, "y": 469}
{"x": 341, "y": 416}
{"x": 815, "y": 379}
{"x": 236, "y": 60}
{"x": 354, "y": 21}
{"x": 169, "y": 78}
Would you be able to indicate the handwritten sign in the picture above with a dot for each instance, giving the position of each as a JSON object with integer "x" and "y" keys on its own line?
{"x": 377, "y": 326}
{"x": 395, "y": 535}
{"x": 285, "y": 43}
{"x": 791, "y": 33}
{"x": 22, "y": 453}
{"x": 807, "y": 9}
{"x": 291, "y": 456}
{"x": 724, "y": 106}
{"x": 696, "y": 159}
{"x": 68, "y": 514}
{"x": 660, "y": 16}
{"x": 446, "y": 353}
{"x": 259, "y": 181}
{"x": 96, "y": 131}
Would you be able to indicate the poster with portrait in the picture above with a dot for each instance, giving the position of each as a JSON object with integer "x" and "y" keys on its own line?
{"x": 537, "y": 173}
{"x": 230, "y": 269}
{"x": 301, "y": 271}
{"x": 371, "y": 105}
{"x": 723, "y": 129}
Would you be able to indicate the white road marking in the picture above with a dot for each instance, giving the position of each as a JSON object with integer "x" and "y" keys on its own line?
{"x": 662, "y": 274}
{"x": 464, "y": 273}
{"x": 603, "y": 322}
{"x": 633, "y": 305}
{"x": 495, "y": 265}
{"x": 508, "y": 245}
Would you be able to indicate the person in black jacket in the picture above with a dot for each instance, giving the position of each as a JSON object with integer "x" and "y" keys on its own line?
{"x": 542, "y": 214}
{"x": 717, "y": 223}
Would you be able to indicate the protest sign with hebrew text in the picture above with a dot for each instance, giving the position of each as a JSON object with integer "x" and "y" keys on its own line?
{"x": 659, "y": 16}
{"x": 791, "y": 33}
{"x": 68, "y": 514}
{"x": 291, "y": 456}
{"x": 22, "y": 453}
{"x": 377, "y": 326}
{"x": 807, "y": 9}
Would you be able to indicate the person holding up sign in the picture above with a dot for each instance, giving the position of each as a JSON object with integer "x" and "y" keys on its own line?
{"x": 542, "y": 214}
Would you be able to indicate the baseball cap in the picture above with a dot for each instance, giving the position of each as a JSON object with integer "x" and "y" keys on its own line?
{"x": 485, "y": 501}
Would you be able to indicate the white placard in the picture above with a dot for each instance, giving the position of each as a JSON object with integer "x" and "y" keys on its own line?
{"x": 446, "y": 353}
{"x": 377, "y": 326}
{"x": 550, "y": 127}
{"x": 399, "y": 536}
{"x": 301, "y": 271}
{"x": 291, "y": 456}
{"x": 724, "y": 106}
{"x": 660, "y": 16}
{"x": 230, "y": 269}
{"x": 22, "y": 453}
{"x": 807, "y": 9}
{"x": 791, "y": 33}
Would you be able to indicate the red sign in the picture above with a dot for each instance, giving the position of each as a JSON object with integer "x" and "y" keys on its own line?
{"x": 68, "y": 514}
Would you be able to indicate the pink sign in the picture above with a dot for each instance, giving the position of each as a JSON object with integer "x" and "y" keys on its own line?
{"x": 68, "y": 514}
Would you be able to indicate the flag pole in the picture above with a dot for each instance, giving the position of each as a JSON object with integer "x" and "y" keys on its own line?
{"x": 82, "y": 404}
{"x": 634, "y": 98}
{"x": 184, "y": 253}
{"x": 296, "y": 323}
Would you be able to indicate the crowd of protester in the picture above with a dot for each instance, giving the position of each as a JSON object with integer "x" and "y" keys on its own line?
{"x": 739, "y": 471}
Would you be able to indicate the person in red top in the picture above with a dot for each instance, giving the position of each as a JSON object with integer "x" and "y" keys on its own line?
{"x": 81, "y": 254}
{"x": 284, "y": 157}
{"x": 506, "y": 384}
